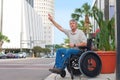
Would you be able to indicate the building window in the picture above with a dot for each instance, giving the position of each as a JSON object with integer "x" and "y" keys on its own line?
{"x": 111, "y": 11}
{"x": 31, "y": 2}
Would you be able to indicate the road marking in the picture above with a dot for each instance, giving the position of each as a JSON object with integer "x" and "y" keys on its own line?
{"x": 27, "y": 68}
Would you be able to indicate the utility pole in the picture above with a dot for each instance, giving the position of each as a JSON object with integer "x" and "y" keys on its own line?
{"x": 1, "y": 25}
{"x": 118, "y": 38}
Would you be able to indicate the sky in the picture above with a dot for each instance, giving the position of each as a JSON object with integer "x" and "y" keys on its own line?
{"x": 63, "y": 11}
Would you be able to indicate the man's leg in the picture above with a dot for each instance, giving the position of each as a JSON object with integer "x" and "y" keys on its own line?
{"x": 59, "y": 56}
{"x": 67, "y": 55}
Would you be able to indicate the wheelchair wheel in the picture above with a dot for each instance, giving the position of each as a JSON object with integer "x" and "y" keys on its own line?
{"x": 63, "y": 73}
{"x": 90, "y": 64}
{"x": 73, "y": 67}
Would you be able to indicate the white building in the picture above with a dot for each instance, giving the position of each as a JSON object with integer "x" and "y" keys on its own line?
{"x": 22, "y": 25}
{"x": 33, "y": 27}
{"x": 43, "y": 8}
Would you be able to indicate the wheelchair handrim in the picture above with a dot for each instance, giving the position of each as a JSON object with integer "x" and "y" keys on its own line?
{"x": 92, "y": 66}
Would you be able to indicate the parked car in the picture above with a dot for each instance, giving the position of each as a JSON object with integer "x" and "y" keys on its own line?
{"x": 16, "y": 55}
{"x": 2, "y": 55}
{"x": 10, "y": 55}
{"x": 22, "y": 54}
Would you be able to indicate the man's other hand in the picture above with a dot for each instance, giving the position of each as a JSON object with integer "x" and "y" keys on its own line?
{"x": 71, "y": 45}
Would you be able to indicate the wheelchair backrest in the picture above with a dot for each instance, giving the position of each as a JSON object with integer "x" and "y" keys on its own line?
{"x": 88, "y": 47}
{"x": 89, "y": 44}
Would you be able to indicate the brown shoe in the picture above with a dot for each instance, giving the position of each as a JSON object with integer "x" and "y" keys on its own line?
{"x": 55, "y": 70}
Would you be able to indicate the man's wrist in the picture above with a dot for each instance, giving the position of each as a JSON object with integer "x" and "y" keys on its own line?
{"x": 74, "y": 45}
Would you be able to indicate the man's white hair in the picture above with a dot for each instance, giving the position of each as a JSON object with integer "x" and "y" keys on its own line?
{"x": 73, "y": 20}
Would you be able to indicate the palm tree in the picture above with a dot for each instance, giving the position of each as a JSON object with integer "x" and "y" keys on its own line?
{"x": 85, "y": 11}
{"x": 66, "y": 43}
{"x": 66, "y": 40}
{"x": 3, "y": 39}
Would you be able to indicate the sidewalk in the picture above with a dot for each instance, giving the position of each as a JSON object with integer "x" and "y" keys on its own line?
{"x": 82, "y": 77}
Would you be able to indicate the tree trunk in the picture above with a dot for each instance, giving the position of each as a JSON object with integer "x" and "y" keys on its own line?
{"x": 1, "y": 43}
{"x": 87, "y": 25}
{"x": 106, "y": 11}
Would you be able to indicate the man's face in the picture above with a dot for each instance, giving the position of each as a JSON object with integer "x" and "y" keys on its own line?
{"x": 73, "y": 25}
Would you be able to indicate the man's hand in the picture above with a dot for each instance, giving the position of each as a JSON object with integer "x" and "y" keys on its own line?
{"x": 55, "y": 23}
{"x": 71, "y": 45}
{"x": 50, "y": 17}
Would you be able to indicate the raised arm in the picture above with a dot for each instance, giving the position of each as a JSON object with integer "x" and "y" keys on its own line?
{"x": 55, "y": 23}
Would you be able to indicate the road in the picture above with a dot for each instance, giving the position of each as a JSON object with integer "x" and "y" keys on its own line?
{"x": 25, "y": 69}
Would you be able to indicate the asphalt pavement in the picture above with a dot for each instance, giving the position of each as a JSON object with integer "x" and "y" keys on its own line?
{"x": 54, "y": 76}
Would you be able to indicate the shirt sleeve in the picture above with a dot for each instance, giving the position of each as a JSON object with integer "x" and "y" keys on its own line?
{"x": 66, "y": 32}
{"x": 83, "y": 37}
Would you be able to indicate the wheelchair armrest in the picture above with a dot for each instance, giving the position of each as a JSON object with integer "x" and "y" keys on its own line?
{"x": 82, "y": 47}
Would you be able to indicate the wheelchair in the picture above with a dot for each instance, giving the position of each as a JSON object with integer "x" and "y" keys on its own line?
{"x": 87, "y": 62}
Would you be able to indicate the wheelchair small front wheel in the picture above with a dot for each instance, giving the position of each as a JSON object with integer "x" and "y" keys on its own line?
{"x": 73, "y": 67}
{"x": 90, "y": 64}
{"x": 63, "y": 73}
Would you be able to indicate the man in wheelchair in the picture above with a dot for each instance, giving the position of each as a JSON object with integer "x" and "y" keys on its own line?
{"x": 77, "y": 38}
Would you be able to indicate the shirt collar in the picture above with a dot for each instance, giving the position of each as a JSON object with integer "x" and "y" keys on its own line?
{"x": 73, "y": 33}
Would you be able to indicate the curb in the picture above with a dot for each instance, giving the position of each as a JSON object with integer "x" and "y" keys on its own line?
{"x": 54, "y": 76}
{"x": 51, "y": 77}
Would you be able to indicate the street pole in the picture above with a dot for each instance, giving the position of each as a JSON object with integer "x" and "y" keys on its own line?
{"x": 1, "y": 25}
{"x": 118, "y": 39}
